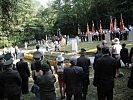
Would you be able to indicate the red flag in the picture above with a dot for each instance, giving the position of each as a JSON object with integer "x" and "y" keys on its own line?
{"x": 101, "y": 30}
{"x": 115, "y": 24}
{"x": 121, "y": 24}
{"x": 87, "y": 32}
{"x": 111, "y": 24}
{"x": 93, "y": 28}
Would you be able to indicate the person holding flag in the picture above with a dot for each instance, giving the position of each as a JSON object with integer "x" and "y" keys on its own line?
{"x": 121, "y": 24}
{"x": 101, "y": 32}
{"x": 93, "y": 30}
{"x": 111, "y": 28}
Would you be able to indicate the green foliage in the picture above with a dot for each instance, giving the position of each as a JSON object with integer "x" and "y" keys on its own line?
{"x": 18, "y": 17}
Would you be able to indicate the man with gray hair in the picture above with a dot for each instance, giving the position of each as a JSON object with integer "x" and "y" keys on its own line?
{"x": 73, "y": 77}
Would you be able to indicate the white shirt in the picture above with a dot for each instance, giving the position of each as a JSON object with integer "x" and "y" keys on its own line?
{"x": 116, "y": 49}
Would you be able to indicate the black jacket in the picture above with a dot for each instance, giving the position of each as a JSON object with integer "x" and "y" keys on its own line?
{"x": 11, "y": 82}
{"x": 84, "y": 62}
{"x": 105, "y": 71}
{"x": 73, "y": 77}
{"x": 23, "y": 69}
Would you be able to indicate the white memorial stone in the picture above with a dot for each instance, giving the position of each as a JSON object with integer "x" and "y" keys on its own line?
{"x": 74, "y": 45}
{"x": 130, "y": 36}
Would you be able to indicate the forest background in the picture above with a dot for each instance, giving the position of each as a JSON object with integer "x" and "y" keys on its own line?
{"x": 25, "y": 20}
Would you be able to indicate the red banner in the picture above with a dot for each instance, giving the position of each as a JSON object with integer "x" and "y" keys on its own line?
{"x": 111, "y": 24}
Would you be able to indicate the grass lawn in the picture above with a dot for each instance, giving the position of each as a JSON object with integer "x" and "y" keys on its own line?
{"x": 121, "y": 92}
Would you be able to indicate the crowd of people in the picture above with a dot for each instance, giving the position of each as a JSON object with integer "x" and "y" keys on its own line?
{"x": 73, "y": 80}
{"x": 97, "y": 36}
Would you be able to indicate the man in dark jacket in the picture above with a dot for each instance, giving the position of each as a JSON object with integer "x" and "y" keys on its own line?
{"x": 84, "y": 62}
{"x": 73, "y": 78}
{"x": 24, "y": 72}
{"x": 105, "y": 70}
{"x": 11, "y": 82}
{"x": 46, "y": 84}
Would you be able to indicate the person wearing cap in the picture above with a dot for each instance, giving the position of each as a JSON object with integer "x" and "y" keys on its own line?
{"x": 84, "y": 62}
{"x": 46, "y": 83}
{"x": 36, "y": 72}
{"x": 36, "y": 58}
{"x": 11, "y": 82}
{"x": 116, "y": 48}
{"x": 73, "y": 78}
{"x": 59, "y": 69}
{"x": 105, "y": 70}
{"x": 24, "y": 72}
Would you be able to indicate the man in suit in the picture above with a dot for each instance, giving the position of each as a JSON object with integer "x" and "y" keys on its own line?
{"x": 73, "y": 78}
{"x": 24, "y": 72}
{"x": 84, "y": 62}
{"x": 105, "y": 70}
{"x": 11, "y": 82}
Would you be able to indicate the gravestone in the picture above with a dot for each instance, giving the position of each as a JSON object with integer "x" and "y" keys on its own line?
{"x": 130, "y": 36}
{"x": 74, "y": 45}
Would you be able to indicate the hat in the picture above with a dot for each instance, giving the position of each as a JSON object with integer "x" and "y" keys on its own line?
{"x": 8, "y": 62}
{"x": 20, "y": 56}
{"x": 7, "y": 56}
{"x": 83, "y": 50}
{"x": 37, "y": 55}
{"x": 116, "y": 41}
{"x": 60, "y": 58}
{"x": 1, "y": 56}
{"x": 45, "y": 66}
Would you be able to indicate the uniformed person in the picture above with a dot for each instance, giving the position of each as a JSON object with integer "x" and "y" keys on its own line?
{"x": 11, "y": 82}
{"x": 46, "y": 84}
{"x": 84, "y": 62}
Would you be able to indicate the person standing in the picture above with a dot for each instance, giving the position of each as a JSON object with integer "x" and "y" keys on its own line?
{"x": 24, "y": 72}
{"x": 73, "y": 78}
{"x": 11, "y": 82}
{"x": 46, "y": 84}
{"x": 105, "y": 70}
{"x": 84, "y": 62}
{"x": 59, "y": 69}
{"x": 36, "y": 72}
{"x": 116, "y": 48}
{"x": 124, "y": 54}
